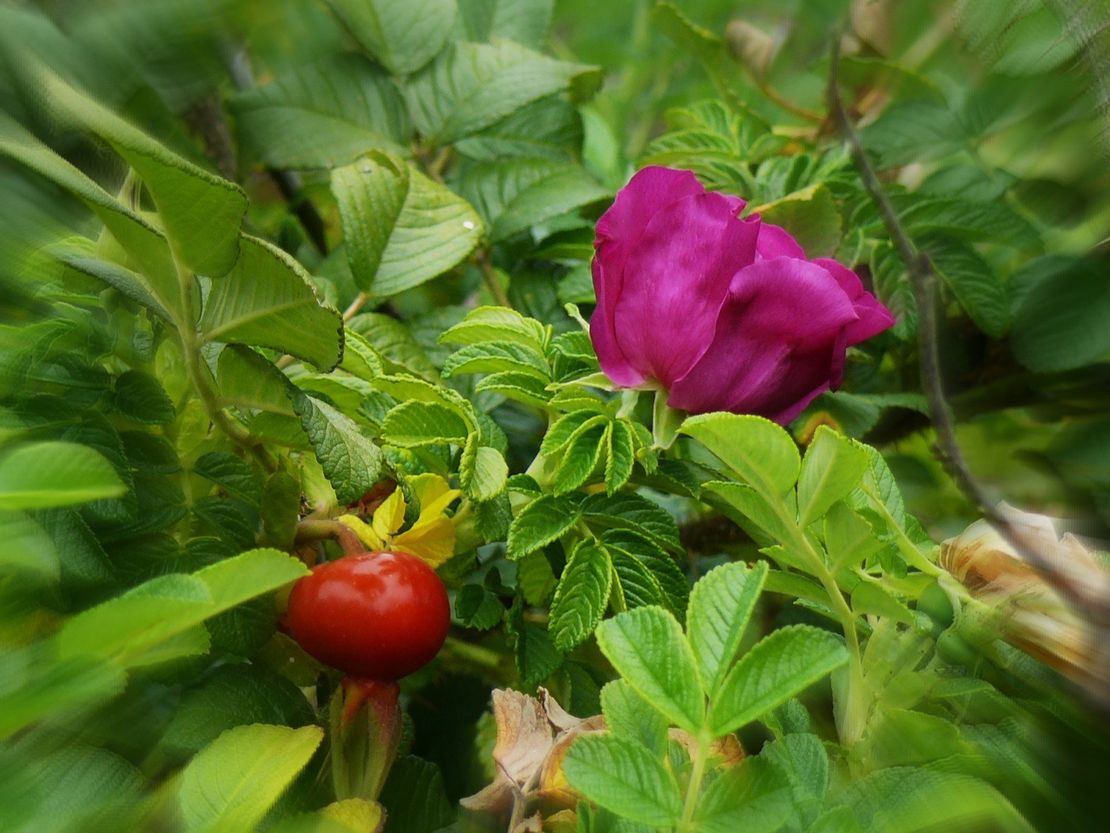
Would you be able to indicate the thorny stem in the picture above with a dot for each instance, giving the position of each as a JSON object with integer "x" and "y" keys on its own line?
{"x": 923, "y": 281}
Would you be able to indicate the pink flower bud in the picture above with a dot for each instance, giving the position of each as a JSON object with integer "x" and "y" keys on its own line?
{"x": 726, "y": 314}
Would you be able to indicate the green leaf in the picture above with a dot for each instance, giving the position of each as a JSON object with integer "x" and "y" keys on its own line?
{"x": 201, "y": 212}
{"x": 1062, "y": 306}
{"x": 535, "y": 578}
{"x": 414, "y": 798}
{"x": 280, "y": 509}
{"x": 514, "y": 384}
{"x": 141, "y": 397}
{"x": 871, "y": 597}
{"x": 913, "y": 131}
{"x": 523, "y": 21}
{"x": 804, "y": 761}
{"x": 401, "y": 36}
{"x": 234, "y": 695}
{"x": 351, "y": 462}
{"x": 536, "y": 655}
{"x": 849, "y": 539}
{"x": 413, "y": 424}
{"x": 748, "y": 502}
{"x": 501, "y": 324}
{"x": 832, "y": 468}
{"x": 581, "y": 596}
{"x": 134, "y": 627}
{"x": 880, "y": 483}
{"x": 565, "y": 428}
{"x": 471, "y": 86}
{"x": 636, "y": 585}
{"x": 395, "y": 343}
{"x": 248, "y": 380}
{"x": 496, "y": 358}
{"x": 721, "y": 604}
{"x": 37, "y": 690}
{"x": 810, "y": 215}
{"x": 39, "y": 475}
{"x": 234, "y": 781}
{"x": 759, "y": 451}
{"x": 972, "y": 280}
{"x": 401, "y": 228}
{"x": 268, "y": 300}
{"x": 483, "y": 471}
{"x": 750, "y": 796}
{"x": 539, "y": 523}
{"x": 628, "y": 717}
{"x": 625, "y": 778}
{"x": 892, "y": 286}
{"x": 777, "y": 668}
{"x": 663, "y": 568}
{"x": 477, "y": 607}
{"x": 133, "y": 285}
{"x": 231, "y": 473}
{"x": 517, "y": 193}
{"x": 906, "y": 799}
{"x": 620, "y": 455}
{"x": 101, "y": 787}
{"x": 27, "y": 546}
{"x": 627, "y": 510}
{"x": 994, "y": 222}
{"x": 154, "y": 276}
{"x": 580, "y": 457}
{"x": 548, "y": 128}
{"x": 647, "y": 648}
{"x": 323, "y": 115}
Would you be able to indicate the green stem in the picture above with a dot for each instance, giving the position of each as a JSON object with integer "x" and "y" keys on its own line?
{"x": 365, "y": 723}
{"x": 693, "y": 789}
{"x": 907, "y": 547}
{"x": 665, "y": 421}
{"x": 854, "y": 710}
{"x": 201, "y": 381}
{"x": 319, "y": 529}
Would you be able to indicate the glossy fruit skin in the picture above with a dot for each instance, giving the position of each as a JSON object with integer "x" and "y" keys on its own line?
{"x": 374, "y": 615}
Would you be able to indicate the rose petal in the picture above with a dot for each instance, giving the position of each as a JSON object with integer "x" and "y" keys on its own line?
{"x": 676, "y": 280}
{"x": 649, "y": 191}
{"x": 874, "y": 317}
{"x": 775, "y": 241}
{"x": 618, "y": 232}
{"x": 609, "y": 354}
{"x": 775, "y": 342}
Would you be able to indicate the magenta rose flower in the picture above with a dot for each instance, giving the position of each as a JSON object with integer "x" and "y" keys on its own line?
{"x": 724, "y": 313}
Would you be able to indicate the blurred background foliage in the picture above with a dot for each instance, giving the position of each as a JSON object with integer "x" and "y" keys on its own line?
{"x": 989, "y": 122}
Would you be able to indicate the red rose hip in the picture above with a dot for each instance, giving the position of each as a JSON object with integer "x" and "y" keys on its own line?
{"x": 374, "y": 615}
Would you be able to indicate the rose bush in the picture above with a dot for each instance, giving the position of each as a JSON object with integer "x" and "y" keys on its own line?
{"x": 724, "y": 313}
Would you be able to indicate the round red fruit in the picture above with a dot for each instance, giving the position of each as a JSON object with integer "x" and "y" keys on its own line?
{"x": 374, "y": 615}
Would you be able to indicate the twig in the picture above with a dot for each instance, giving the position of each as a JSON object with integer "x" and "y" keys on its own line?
{"x": 287, "y": 182}
{"x": 490, "y": 276}
{"x": 439, "y": 163}
{"x": 923, "y": 280}
{"x": 317, "y": 529}
{"x": 355, "y": 306}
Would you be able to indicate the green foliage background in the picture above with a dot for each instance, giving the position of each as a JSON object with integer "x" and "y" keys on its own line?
{"x": 257, "y": 257}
